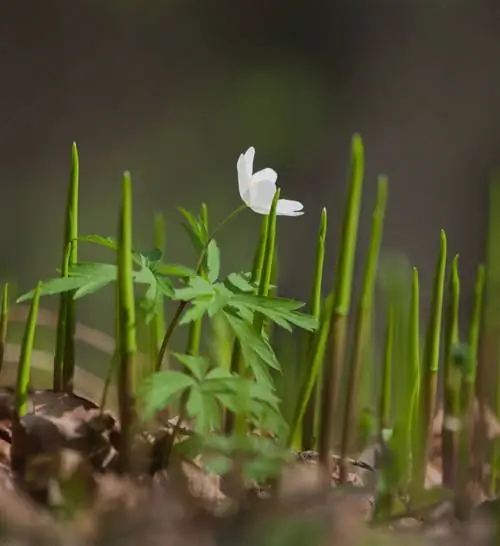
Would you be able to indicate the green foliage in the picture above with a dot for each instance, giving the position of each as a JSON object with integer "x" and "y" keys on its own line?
{"x": 229, "y": 391}
{"x": 208, "y": 390}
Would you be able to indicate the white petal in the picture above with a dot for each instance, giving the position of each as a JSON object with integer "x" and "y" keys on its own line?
{"x": 286, "y": 207}
{"x": 265, "y": 174}
{"x": 243, "y": 178}
{"x": 261, "y": 196}
{"x": 249, "y": 157}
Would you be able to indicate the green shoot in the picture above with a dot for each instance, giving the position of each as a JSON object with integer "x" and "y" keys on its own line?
{"x": 64, "y": 355}
{"x": 126, "y": 327}
{"x": 342, "y": 294}
{"x": 451, "y": 380}
{"x": 309, "y": 434}
{"x": 363, "y": 327}
{"x": 384, "y": 412}
{"x": 427, "y": 403}
{"x": 23, "y": 371}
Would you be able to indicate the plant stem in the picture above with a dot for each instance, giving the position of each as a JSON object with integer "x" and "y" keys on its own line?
{"x": 311, "y": 417}
{"x": 363, "y": 327}
{"x": 316, "y": 356}
{"x": 412, "y": 422}
{"x": 267, "y": 269}
{"x": 64, "y": 354}
{"x": 451, "y": 381}
{"x": 4, "y": 320}
{"x": 126, "y": 329}
{"x": 431, "y": 365}
{"x": 22, "y": 387}
{"x": 342, "y": 294}
{"x": 23, "y": 371}
{"x": 384, "y": 414}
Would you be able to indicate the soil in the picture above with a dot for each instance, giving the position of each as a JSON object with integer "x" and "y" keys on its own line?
{"x": 60, "y": 487}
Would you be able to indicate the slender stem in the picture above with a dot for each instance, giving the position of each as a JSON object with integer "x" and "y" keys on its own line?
{"x": 342, "y": 293}
{"x": 362, "y": 327}
{"x": 451, "y": 381}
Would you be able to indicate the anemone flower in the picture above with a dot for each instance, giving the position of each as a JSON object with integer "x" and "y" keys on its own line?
{"x": 257, "y": 189}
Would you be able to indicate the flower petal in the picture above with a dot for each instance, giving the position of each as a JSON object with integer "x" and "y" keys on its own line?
{"x": 265, "y": 174}
{"x": 287, "y": 207}
{"x": 261, "y": 196}
{"x": 243, "y": 178}
{"x": 249, "y": 157}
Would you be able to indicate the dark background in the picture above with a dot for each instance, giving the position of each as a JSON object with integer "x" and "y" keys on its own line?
{"x": 175, "y": 90}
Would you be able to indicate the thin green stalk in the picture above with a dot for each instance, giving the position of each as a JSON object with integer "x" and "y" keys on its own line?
{"x": 474, "y": 332}
{"x": 342, "y": 291}
{"x": 451, "y": 380}
{"x": 316, "y": 357}
{"x": 413, "y": 417}
{"x": 467, "y": 447}
{"x": 22, "y": 386}
{"x": 194, "y": 337}
{"x": 182, "y": 304}
{"x": 311, "y": 416}
{"x": 23, "y": 371}
{"x": 126, "y": 328}
{"x": 267, "y": 268}
{"x": 64, "y": 354}
{"x": 157, "y": 325}
{"x": 4, "y": 320}
{"x": 430, "y": 366}
{"x": 363, "y": 327}
{"x": 384, "y": 409}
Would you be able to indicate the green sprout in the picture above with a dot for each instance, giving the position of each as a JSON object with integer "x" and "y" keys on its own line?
{"x": 342, "y": 295}
{"x": 451, "y": 380}
{"x": 363, "y": 326}
{"x": 64, "y": 355}
{"x": 428, "y": 391}
{"x": 312, "y": 417}
{"x": 126, "y": 334}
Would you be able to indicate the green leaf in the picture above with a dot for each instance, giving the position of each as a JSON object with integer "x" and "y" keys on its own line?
{"x": 165, "y": 286}
{"x": 255, "y": 349}
{"x": 90, "y": 287}
{"x": 240, "y": 282}
{"x": 55, "y": 286}
{"x": 281, "y": 311}
{"x": 151, "y": 256}
{"x": 213, "y": 261}
{"x": 197, "y": 286}
{"x": 174, "y": 270}
{"x": 196, "y": 311}
{"x": 108, "y": 242}
{"x": 195, "y": 229}
{"x": 163, "y": 388}
{"x": 205, "y": 410}
{"x": 278, "y": 304}
{"x": 222, "y": 296}
{"x": 197, "y": 365}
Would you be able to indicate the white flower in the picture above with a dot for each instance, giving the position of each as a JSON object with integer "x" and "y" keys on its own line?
{"x": 257, "y": 189}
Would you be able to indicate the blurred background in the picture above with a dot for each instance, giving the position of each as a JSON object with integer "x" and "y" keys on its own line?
{"x": 174, "y": 90}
